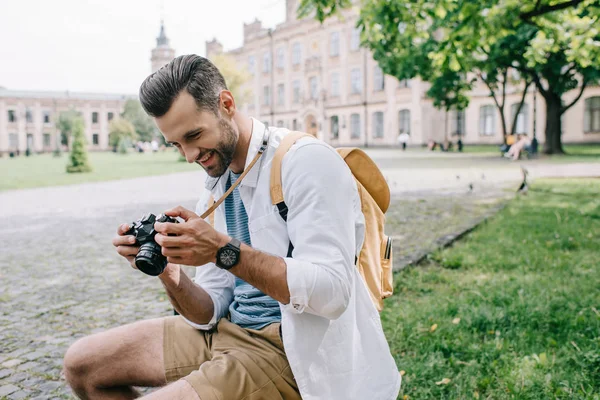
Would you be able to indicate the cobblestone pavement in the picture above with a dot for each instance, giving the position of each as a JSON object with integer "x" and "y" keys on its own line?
{"x": 60, "y": 278}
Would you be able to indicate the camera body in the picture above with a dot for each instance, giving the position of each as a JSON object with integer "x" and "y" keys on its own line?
{"x": 149, "y": 259}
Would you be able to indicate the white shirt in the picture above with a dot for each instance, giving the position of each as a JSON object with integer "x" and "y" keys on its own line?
{"x": 331, "y": 331}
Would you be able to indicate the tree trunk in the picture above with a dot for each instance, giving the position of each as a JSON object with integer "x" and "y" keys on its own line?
{"x": 553, "y": 143}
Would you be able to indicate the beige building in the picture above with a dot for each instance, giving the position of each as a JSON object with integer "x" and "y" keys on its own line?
{"x": 318, "y": 78}
{"x": 28, "y": 118}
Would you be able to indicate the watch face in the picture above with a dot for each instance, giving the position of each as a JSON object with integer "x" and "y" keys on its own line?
{"x": 228, "y": 257}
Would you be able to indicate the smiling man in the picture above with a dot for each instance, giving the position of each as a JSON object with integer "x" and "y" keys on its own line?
{"x": 261, "y": 319}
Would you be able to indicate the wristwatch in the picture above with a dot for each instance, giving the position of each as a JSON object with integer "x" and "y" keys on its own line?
{"x": 229, "y": 255}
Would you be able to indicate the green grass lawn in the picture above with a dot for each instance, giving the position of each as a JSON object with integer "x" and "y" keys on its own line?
{"x": 512, "y": 311}
{"x": 46, "y": 170}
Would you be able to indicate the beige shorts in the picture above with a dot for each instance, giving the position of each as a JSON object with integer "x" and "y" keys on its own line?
{"x": 229, "y": 362}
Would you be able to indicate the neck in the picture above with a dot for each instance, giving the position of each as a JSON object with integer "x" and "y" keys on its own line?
{"x": 244, "y": 125}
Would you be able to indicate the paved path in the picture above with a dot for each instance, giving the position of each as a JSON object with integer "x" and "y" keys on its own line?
{"x": 60, "y": 278}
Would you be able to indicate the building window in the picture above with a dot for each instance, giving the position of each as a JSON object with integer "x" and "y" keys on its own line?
{"x": 378, "y": 124}
{"x": 47, "y": 140}
{"x": 281, "y": 58}
{"x": 335, "y": 84}
{"x": 314, "y": 90}
{"x": 110, "y": 116}
{"x": 94, "y": 117}
{"x": 404, "y": 83}
{"x": 251, "y": 65}
{"x": 295, "y": 125}
{"x": 457, "y": 123}
{"x": 46, "y": 117}
{"x": 296, "y": 85}
{"x": 334, "y": 44}
{"x": 13, "y": 141}
{"x": 267, "y": 62}
{"x": 522, "y": 121}
{"x": 280, "y": 123}
{"x": 266, "y": 96}
{"x": 591, "y": 115}
{"x": 335, "y": 127}
{"x": 355, "y": 81}
{"x": 28, "y": 115}
{"x": 487, "y": 120}
{"x": 95, "y": 139}
{"x": 12, "y": 116}
{"x": 296, "y": 54}
{"x": 355, "y": 39}
{"x": 280, "y": 94}
{"x": 378, "y": 79}
{"x": 355, "y": 126}
{"x": 404, "y": 121}
{"x": 30, "y": 141}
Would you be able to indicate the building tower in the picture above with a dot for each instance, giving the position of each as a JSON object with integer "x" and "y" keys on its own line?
{"x": 162, "y": 54}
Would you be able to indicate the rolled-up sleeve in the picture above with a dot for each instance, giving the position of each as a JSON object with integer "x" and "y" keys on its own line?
{"x": 321, "y": 196}
{"x": 217, "y": 282}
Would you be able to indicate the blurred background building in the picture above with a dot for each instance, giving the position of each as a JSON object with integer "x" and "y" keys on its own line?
{"x": 315, "y": 78}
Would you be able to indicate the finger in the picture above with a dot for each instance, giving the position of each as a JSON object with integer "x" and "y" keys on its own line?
{"x": 182, "y": 212}
{"x": 128, "y": 251}
{"x": 122, "y": 229}
{"x": 170, "y": 241}
{"x": 174, "y": 252}
{"x": 123, "y": 240}
{"x": 167, "y": 228}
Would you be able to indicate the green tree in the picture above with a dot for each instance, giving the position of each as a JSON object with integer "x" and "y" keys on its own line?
{"x": 553, "y": 44}
{"x": 143, "y": 124}
{"x": 235, "y": 77}
{"x": 79, "y": 160}
{"x": 120, "y": 129}
{"x": 64, "y": 126}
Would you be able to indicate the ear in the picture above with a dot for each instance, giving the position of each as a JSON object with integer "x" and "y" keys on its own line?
{"x": 227, "y": 103}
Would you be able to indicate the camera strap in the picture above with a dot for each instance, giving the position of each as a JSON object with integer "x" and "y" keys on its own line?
{"x": 261, "y": 150}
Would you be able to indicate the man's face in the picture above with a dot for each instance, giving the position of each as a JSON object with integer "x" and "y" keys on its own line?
{"x": 199, "y": 135}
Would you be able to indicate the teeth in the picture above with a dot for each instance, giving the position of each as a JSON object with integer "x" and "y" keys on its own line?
{"x": 206, "y": 156}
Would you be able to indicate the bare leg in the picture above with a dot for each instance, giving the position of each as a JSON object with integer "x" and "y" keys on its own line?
{"x": 180, "y": 390}
{"x": 106, "y": 365}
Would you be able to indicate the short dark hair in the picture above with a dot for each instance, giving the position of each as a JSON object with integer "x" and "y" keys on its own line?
{"x": 193, "y": 73}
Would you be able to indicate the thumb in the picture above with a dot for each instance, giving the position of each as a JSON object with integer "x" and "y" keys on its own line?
{"x": 181, "y": 212}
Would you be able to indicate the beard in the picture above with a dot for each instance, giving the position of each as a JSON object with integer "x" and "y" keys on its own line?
{"x": 224, "y": 150}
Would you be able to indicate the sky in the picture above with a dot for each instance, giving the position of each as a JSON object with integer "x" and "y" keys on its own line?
{"x": 104, "y": 45}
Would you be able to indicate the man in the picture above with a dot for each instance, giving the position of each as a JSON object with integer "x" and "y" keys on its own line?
{"x": 262, "y": 324}
{"x": 403, "y": 139}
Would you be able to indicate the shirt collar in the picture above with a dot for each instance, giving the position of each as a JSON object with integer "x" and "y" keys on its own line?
{"x": 256, "y": 139}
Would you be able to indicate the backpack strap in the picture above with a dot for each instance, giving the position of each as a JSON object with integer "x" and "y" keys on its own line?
{"x": 276, "y": 184}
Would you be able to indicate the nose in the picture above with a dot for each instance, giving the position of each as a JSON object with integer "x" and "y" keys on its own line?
{"x": 191, "y": 154}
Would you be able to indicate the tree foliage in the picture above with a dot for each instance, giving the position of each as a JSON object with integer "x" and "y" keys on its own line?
{"x": 142, "y": 123}
{"x": 79, "y": 160}
{"x": 121, "y": 129}
{"x": 235, "y": 77}
{"x": 554, "y": 44}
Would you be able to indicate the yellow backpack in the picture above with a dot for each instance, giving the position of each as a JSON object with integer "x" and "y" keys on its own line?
{"x": 375, "y": 259}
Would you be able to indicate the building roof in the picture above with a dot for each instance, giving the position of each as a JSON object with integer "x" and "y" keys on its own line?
{"x": 36, "y": 94}
{"x": 162, "y": 39}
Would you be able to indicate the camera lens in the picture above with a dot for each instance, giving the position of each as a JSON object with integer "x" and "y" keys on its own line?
{"x": 150, "y": 260}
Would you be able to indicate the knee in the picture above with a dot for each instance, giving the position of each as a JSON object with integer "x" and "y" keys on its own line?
{"x": 78, "y": 362}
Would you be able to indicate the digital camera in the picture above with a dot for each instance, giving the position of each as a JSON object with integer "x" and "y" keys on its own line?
{"x": 149, "y": 259}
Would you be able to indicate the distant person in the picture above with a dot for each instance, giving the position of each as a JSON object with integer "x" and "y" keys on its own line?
{"x": 459, "y": 145}
{"x": 154, "y": 145}
{"x": 515, "y": 150}
{"x": 431, "y": 145}
{"x": 403, "y": 139}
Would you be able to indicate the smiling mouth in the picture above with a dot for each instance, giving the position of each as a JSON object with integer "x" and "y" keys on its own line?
{"x": 206, "y": 157}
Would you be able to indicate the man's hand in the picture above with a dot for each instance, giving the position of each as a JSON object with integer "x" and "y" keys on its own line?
{"x": 125, "y": 244}
{"x": 127, "y": 247}
{"x": 195, "y": 242}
